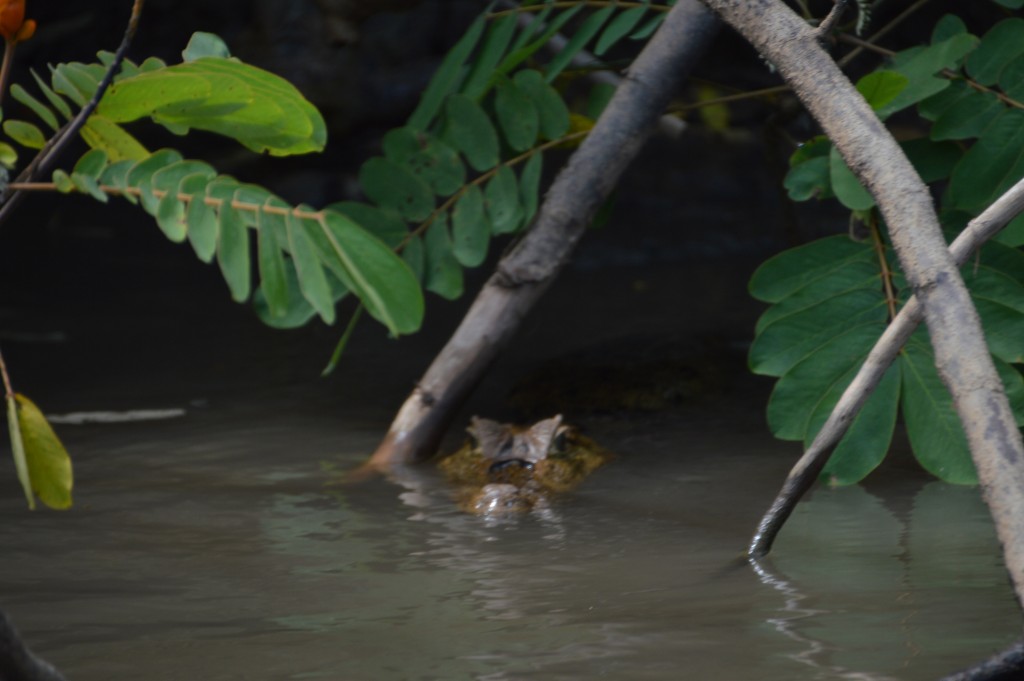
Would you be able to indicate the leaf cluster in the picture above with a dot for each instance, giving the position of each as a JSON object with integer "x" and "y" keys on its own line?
{"x": 832, "y": 299}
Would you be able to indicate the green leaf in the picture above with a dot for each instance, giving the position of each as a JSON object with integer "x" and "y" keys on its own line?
{"x": 63, "y": 182}
{"x": 56, "y": 101}
{"x": 25, "y": 134}
{"x": 428, "y": 158}
{"x": 383, "y": 282}
{"x": 443, "y": 273}
{"x": 273, "y": 277}
{"x": 170, "y": 217}
{"x": 933, "y": 160}
{"x": 810, "y": 179}
{"x": 141, "y": 174}
{"x": 8, "y": 155}
{"x": 471, "y": 232}
{"x": 233, "y": 251}
{"x": 879, "y": 88}
{"x": 799, "y": 329}
{"x": 521, "y": 50}
{"x": 92, "y": 164}
{"x": 392, "y": 185}
{"x": 503, "y": 207}
{"x": 88, "y": 185}
{"x": 933, "y": 107}
{"x": 649, "y": 27}
{"x": 1011, "y": 4}
{"x": 18, "y": 450}
{"x": 868, "y": 438}
{"x": 822, "y": 371}
{"x": 201, "y": 218}
{"x": 414, "y": 255}
{"x": 499, "y": 34}
{"x": 299, "y": 311}
{"x": 76, "y": 80}
{"x": 1013, "y": 233}
{"x": 1001, "y": 44}
{"x": 933, "y": 426}
{"x": 848, "y": 189}
{"x": 529, "y": 186}
{"x": 388, "y": 226}
{"x": 205, "y": 45}
{"x": 22, "y": 95}
{"x": 312, "y": 280}
{"x": 105, "y": 135}
{"x": 598, "y": 98}
{"x": 470, "y": 131}
{"x": 921, "y": 67}
{"x": 258, "y": 109}
{"x": 552, "y": 112}
{"x": 619, "y": 28}
{"x": 517, "y": 115}
{"x": 947, "y": 27}
{"x": 1011, "y": 79}
{"x": 64, "y": 86}
{"x": 587, "y": 30}
{"x": 49, "y": 466}
{"x": 990, "y": 167}
{"x": 447, "y": 77}
{"x": 808, "y": 266}
{"x": 968, "y": 117}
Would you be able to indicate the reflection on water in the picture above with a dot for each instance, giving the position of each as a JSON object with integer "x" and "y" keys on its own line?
{"x": 207, "y": 547}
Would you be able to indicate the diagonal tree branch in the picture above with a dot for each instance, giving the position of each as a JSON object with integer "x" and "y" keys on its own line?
{"x": 961, "y": 354}
{"x": 526, "y": 272}
{"x": 808, "y": 468}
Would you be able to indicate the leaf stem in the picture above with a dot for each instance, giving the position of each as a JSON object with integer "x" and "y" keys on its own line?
{"x": 450, "y": 201}
{"x": 881, "y": 32}
{"x": 946, "y": 73}
{"x": 564, "y": 4}
{"x": 8, "y": 390}
{"x": 5, "y": 68}
{"x": 883, "y": 264}
{"x": 332, "y": 364}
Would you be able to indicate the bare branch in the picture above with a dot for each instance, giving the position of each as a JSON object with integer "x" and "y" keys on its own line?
{"x": 526, "y": 272}
{"x": 809, "y": 467}
{"x": 961, "y": 354}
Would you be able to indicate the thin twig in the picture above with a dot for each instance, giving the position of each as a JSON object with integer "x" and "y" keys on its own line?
{"x": 882, "y": 31}
{"x": 5, "y": 68}
{"x": 829, "y": 22}
{"x": 945, "y": 73}
{"x": 883, "y": 265}
{"x": 8, "y": 390}
{"x": 48, "y": 155}
{"x": 808, "y": 468}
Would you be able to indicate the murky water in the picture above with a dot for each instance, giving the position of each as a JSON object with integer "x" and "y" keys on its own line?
{"x": 217, "y": 546}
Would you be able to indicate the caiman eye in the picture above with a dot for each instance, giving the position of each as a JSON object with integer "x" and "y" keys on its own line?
{"x": 560, "y": 443}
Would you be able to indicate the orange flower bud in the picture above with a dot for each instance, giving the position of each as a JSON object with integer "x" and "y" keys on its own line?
{"x": 27, "y": 30}
{"x": 12, "y": 16}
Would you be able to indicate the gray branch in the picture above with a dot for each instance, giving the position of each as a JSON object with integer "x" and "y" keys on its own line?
{"x": 526, "y": 272}
{"x": 808, "y": 468}
{"x": 961, "y": 354}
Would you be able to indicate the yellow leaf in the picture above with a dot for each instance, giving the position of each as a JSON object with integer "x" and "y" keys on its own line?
{"x": 714, "y": 116}
{"x": 18, "y": 449}
{"x": 49, "y": 465}
{"x": 577, "y": 123}
{"x": 102, "y": 133}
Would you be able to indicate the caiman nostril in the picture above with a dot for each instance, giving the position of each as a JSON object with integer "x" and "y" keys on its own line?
{"x": 504, "y": 466}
